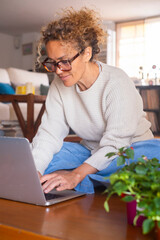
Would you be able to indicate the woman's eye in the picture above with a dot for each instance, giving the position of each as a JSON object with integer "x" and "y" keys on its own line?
{"x": 64, "y": 61}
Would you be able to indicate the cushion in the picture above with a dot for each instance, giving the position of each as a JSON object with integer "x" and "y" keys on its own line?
{"x": 4, "y": 77}
{"x": 44, "y": 89}
{"x": 6, "y": 88}
{"x": 20, "y": 77}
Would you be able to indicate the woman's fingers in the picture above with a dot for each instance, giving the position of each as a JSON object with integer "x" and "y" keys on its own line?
{"x": 60, "y": 181}
{"x": 39, "y": 174}
{"x": 62, "y": 187}
{"x": 47, "y": 177}
{"x": 50, "y": 183}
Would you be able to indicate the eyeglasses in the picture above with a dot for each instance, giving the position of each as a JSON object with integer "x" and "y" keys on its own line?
{"x": 63, "y": 65}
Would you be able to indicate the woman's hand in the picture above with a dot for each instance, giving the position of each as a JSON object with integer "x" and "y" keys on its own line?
{"x": 39, "y": 174}
{"x": 62, "y": 180}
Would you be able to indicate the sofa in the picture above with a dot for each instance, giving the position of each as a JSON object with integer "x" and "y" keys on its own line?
{"x": 10, "y": 79}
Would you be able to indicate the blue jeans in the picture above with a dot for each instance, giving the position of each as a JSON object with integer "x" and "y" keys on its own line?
{"x": 73, "y": 155}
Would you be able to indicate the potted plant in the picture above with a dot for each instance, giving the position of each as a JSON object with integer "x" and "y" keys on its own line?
{"x": 139, "y": 183}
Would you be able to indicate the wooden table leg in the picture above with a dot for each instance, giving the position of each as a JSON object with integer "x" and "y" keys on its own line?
{"x": 30, "y": 117}
{"x": 29, "y": 127}
{"x": 19, "y": 116}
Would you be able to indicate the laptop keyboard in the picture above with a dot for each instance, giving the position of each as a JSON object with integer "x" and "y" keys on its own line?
{"x": 50, "y": 196}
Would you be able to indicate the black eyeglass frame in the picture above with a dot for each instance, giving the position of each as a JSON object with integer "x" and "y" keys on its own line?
{"x": 56, "y": 64}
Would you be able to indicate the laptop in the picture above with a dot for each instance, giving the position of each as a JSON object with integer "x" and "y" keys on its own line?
{"x": 19, "y": 180}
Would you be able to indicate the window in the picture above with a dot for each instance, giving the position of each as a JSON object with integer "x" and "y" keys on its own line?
{"x": 138, "y": 48}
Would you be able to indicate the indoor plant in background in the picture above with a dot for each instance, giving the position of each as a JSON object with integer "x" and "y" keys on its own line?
{"x": 137, "y": 182}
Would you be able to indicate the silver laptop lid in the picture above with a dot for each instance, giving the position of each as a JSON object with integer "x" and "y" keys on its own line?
{"x": 19, "y": 179}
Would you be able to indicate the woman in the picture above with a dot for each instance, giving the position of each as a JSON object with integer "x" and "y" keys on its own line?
{"x": 98, "y": 102}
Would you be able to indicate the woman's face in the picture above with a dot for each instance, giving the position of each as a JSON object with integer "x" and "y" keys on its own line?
{"x": 58, "y": 51}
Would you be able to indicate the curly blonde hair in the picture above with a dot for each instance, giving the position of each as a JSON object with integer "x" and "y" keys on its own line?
{"x": 83, "y": 28}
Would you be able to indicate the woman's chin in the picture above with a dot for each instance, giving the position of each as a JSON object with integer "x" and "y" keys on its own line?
{"x": 68, "y": 83}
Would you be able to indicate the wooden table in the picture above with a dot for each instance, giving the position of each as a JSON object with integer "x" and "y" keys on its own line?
{"x": 29, "y": 127}
{"x": 83, "y": 218}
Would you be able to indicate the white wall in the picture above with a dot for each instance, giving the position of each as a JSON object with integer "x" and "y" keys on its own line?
{"x": 12, "y": 56}
{"x": 29, "y": 60}
{"x": 9, "y": 56}
{"x": 6, "y": 50}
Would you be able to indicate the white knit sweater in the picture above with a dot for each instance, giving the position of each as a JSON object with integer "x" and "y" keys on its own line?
{"x": 107, "y": 116}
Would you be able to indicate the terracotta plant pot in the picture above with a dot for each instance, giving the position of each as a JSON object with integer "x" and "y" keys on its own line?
{"x": 131, "y": 213}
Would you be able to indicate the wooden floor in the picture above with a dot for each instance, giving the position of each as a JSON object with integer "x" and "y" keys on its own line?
{"x": 83, "y": 218}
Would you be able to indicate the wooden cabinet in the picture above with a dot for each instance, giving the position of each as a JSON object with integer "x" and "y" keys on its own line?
{"x": 151, "y": 102}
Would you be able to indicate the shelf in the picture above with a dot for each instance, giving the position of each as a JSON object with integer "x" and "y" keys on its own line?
{"x": 151, "y": 105}
{"x": 147, "y": 86}
{"x": 151, "y": 110}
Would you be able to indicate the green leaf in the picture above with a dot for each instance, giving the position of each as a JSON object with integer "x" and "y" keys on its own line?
{"x": 113, "y": 178}
{"x": 155, "y": 186}
{"x": 158, "y": 223}
{"x": 105, "y": 191}
{"x": 130, "y": 153}
{"x": 128, "y": 198}
{"x": 142, "y": 204}
{"x": 120, "y": 187}
{"x": 120, "y": 160}
{"x": 140, "y": 169}
{"x": 110, "y": 154}
{"x": 146, "y": 184}
{"x": 106, "y": 206}
{"x": 155, "y": 161}
{"x": 135, "y": 220}
{"x": 121, "y": 150}
{"x": 148, "y": 225}
{"x": 141, "y": 160}
{"x": 157, "y": 202}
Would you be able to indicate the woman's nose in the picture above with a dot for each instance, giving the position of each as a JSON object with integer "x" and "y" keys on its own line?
{"x": 58, "y": 71}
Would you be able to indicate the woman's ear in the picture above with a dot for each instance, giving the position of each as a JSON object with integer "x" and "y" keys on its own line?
{"x": 87, "y": 54}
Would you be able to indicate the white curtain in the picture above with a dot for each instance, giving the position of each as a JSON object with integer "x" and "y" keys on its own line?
{"x": 152, "y": 47}
{"x": 138, "y": 48}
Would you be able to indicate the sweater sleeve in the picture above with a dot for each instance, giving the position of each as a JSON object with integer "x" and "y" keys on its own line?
{"x": 124, "y": 109}
{"x": 52, "y": 131}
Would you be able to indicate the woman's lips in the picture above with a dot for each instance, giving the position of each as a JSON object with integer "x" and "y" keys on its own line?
{"x": 64, "y": 78}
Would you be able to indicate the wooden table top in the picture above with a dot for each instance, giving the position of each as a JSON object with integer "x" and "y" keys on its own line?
{"x": 83, "y": 218}
{"x": 22, "y": 98}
